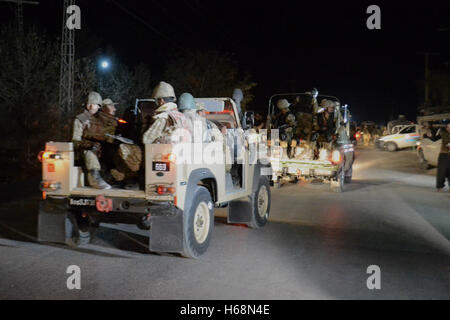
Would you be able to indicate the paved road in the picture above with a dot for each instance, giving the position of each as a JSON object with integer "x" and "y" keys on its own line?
{"x": 318, "y": 245}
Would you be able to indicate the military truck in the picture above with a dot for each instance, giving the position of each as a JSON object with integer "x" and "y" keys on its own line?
{"x": 176, "y": 206}
{"x": 307, "y": 156}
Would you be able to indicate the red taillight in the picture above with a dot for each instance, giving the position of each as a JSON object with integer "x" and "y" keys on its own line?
{"x": 171, "y": 190}
{"x": 161, "y": 190}
{"x": 121, "y": 121}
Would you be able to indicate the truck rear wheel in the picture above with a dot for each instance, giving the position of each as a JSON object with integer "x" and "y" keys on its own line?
{"x": 339, "y": 185}
{"x": 198, "y": 224}
{"x": 261, "y": 203}
{"x": 348, "y": 175}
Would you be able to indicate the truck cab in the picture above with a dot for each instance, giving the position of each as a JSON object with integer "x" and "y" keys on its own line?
{"x": 183, "y": 184}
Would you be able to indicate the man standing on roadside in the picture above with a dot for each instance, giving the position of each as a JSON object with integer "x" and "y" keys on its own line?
{"x": 443, "y": 171}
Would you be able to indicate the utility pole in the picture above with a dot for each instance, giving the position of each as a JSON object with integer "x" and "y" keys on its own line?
{"x": 67, "y": 62}
{"x": 20, "y": 4}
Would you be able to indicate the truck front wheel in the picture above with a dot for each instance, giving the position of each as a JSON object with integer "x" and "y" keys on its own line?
{"x": 198, "y": 224}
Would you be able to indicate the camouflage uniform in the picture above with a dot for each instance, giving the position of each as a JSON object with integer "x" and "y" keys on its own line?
{"x": 167, "y": 119}
{"x": 304, "y": 126}
{"x": 86, "y": 129}
{"x": 127, "y": 162}
{"x": 109, "y": 124}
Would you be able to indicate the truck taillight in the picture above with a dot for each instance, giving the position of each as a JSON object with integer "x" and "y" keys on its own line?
{"x": 47, "y": 155}
{"x": 172, "y": 157}
{"x": 50, "y": 186}
{"x": 336, "y": 156}
{"x": 162, "y": 190}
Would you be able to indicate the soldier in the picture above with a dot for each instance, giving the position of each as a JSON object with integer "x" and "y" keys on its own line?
{"x": 167, "y": 117}
{"x": 107, "y": 118}
{"x": 443, "y": 171}
{"x": 197, "y": 124}
{"x": 86, "y": 130}
{"x": 326, "y": 120}
{"x": 214, "y": 133}
{"x": 285, "y": 119}
{"x": 366, "y": 135}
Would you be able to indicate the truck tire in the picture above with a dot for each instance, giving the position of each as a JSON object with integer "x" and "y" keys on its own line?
{"x": 348, "y": 175}
{"x": 260, "y": 204}
{"x": 391, "y": 146}
{"x": 198, "y": 224}
{"x": 339, "y": 185}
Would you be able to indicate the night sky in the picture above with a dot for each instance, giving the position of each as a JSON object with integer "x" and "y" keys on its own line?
{"x": 285, "y": 45}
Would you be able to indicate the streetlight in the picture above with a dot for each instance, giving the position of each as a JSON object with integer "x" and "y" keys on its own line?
{"x": 104, "y": 64}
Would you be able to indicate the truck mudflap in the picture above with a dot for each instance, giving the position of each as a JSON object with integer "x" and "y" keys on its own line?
{"x": 166, "y": 231}
{"x": 240, "y": 211}
{"x": 54, "y": 221}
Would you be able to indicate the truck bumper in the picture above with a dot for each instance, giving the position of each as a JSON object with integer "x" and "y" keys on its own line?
{"x": 164, "y": 219}
{"x": 309, "y": 169}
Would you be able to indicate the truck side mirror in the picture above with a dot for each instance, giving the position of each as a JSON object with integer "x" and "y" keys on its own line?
{"x": 248, "y": 121}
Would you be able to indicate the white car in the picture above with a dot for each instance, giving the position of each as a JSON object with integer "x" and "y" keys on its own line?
{"x": 405, "y": 138}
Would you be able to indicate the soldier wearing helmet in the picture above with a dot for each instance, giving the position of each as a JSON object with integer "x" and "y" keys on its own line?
{"x": 285, "y": 120}
{"x": 86, "y": 137}
{"x": 167, "y": 117}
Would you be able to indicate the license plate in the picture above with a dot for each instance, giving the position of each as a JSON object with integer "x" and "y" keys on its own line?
{"x": 82, "y": 202}
{"x": 160, "y": 166}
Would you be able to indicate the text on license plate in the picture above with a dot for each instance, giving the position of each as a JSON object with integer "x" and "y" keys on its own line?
{"x": 160, "y": 166}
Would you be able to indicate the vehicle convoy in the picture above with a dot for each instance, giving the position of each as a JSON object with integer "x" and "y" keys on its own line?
{"x": 177, "y": 200}
{"x": 405, "y": 137}
{"x": 428, "y": 149}
{"x": 311, "y": 152}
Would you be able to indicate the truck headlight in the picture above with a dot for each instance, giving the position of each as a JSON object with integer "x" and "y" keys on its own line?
{"x": 323, "y": 154}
